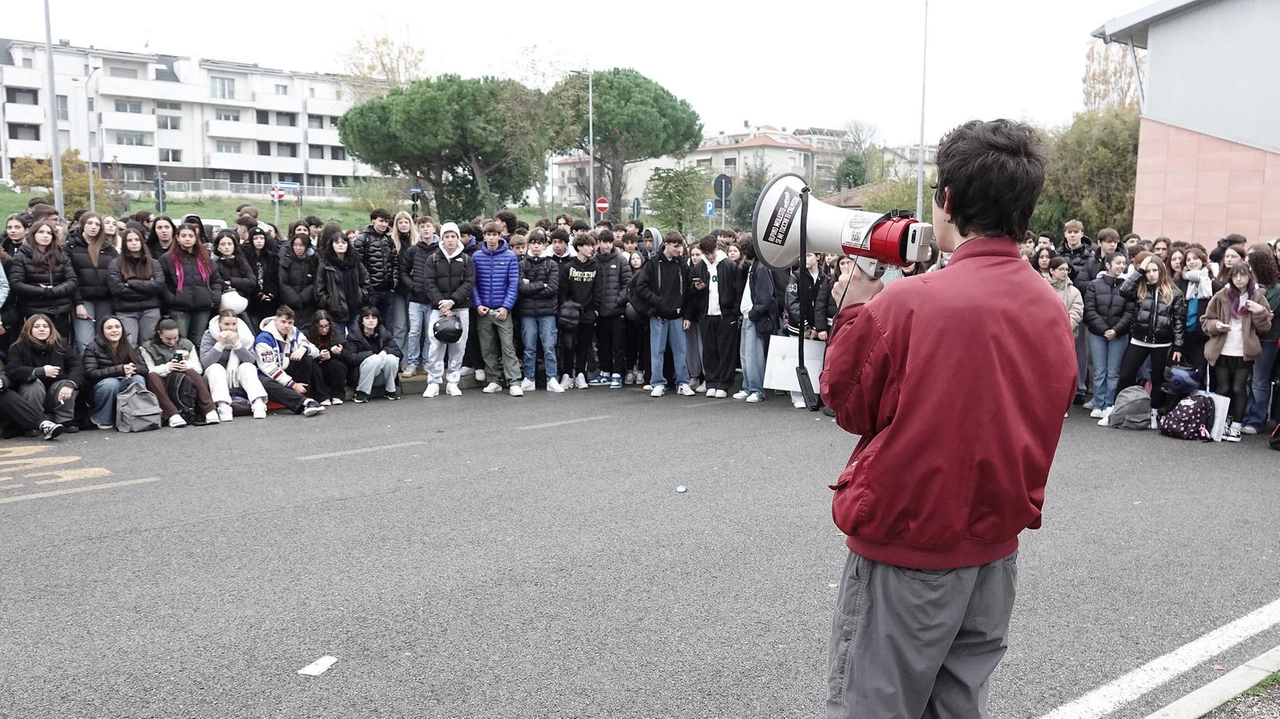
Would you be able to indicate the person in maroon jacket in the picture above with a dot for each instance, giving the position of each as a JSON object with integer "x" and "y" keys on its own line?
{"x": 954, "y": 453}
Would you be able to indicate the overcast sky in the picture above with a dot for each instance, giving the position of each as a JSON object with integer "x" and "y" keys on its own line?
{"x": 818, "y": 63}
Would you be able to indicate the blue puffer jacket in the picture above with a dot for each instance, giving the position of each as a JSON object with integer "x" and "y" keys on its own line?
{"x": 497, "y": 277}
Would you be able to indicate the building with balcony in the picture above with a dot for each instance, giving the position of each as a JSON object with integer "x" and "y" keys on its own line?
{"x": 220, "y": 124}
{"x": 1208, "y": 143}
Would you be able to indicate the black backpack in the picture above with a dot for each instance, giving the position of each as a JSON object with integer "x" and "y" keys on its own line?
{"x": 569, "y": 316}
{"x": 1191, "y": 418}
{"x": 182, "y": 392}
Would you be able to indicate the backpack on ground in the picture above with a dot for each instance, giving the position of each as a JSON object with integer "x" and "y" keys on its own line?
{"x": 137, "y": 409}
{"x": 1132, "y": 409}
{"x": 182, "y": 392}
{"x": 1190, "y": 418}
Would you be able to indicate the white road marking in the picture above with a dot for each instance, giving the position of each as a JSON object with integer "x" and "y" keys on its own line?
{"x": 77, "y": 490}
{"x": 567, "y": 421}
{"x": 318, "y": 667}
{"x": 1109, "y": 697}
{"x": 362, "y": 450}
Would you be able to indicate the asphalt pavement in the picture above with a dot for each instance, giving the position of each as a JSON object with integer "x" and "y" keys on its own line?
{"x": 529, "y": 557}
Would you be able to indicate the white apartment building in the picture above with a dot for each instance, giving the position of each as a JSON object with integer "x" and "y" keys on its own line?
{"x": 207, "y": 125}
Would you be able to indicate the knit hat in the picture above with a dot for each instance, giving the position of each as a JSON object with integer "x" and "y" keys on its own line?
{"x": 449, "y": 227}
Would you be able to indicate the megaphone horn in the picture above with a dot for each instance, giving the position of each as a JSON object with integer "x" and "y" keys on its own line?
{"x": 895, "y": 238}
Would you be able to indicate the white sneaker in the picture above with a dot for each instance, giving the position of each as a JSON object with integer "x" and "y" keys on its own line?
{"x": 479, "y": 375}
{"x": 648, "y": 387}
{"x": 554, "y": 386}
{"x": 465, "y": 371}
{"x": 1089, "y": 405}
{"x": 177, "y": 421}
{"x": 580, "y": 381}
{"x": 1096, "y": 413}
{"x": 516, "y": 391}
{"x": 527, "y": 384}
{"x": 799, "y": 404}
{"x": 741, "y": 394}
{"x": 452, "y": 389}
{"x": 721, "y": 394}
{"x": 1247, "y": 429}
{"x": 493, "y": 388}
{"x": 630, "y": 378}
{"x": 658, "y": 391}
{"x": 409, "y": 371}
{"x": 224, "y": 413}
{"x": 1106, "y": 417}
{"x": 566, "y": 381}
{"x": 212, "y": 417}
{"x": 1232, "y": 434}
{"x": 753, "y": 398}
{"x": 684, "y": 390}
{"x": 433, "y": 390}
{"x": 699, "y": 387}
{"x": 259, "y": 409}
{"x": 1155, "y": 419}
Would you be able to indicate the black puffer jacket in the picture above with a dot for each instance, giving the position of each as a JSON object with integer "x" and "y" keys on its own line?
{"x": 615, "y": 268}
{"x": 441, "y": 277}
{"x": 1105, "y": 308}
{"x": 1152, "y": 320}
{"x": 362, "y": 346}
{"x": 298, "y": 281}
{"x": 342, "y": 286}
{"x": 92, "y": 282}
{"x": 406, "y": 260}
{"x": 378, "y": 253}
{"x": 135, "y": 294}
{"x": 58, "y": 295}
{"x": 196, "y": 291}
{"x": 539, "y": 297}
{"x": 236, "y": 270}
{"x": 1079, "y": 259}
{"x": 27, "y": 361}
{"x": 265, "y": 266}
{"x": 98, "y": 364}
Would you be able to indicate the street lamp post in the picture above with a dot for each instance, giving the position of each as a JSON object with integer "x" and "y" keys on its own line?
{"x": 920, "y": 160}
{"x": 93, "y": 207}
{"x": 591, "y": 145}
{"x": 53, "y": 114}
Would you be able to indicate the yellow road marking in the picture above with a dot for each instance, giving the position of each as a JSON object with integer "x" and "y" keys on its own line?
{"x": 77, "y": 490}
{"x": 71, "y": 475}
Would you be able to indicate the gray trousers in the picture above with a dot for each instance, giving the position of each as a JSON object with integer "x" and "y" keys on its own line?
{"x": 917, "y": 644}
{"x": 1082, "y": 359}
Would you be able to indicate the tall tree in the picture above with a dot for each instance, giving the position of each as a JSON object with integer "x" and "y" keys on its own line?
{"x": 1091, "y": 172}
{"x": 675, "y": 197}
{"x": 636, "y": 119}
{"x": 1109, "y": 77}
{"x": 32, "y": 172}
{"x": 378, "y": 63}
{"x": 852, "y": 172}
{"x": 898, "y": 194}
{"x": 746, "y": 191}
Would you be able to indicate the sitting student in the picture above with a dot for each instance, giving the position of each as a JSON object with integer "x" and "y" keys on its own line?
{"x": 286, "y": 360}
{"x": 226, "y": 351}
{"x": 375, "y": 355}
{"x": 136, "y": 283}
{"x": 333, "y": 362}
{"x": 167, "y": 353}
{"x": 23, "y": 412}
{"x": 46, "y": 370}
{"x": 111, "y": 363}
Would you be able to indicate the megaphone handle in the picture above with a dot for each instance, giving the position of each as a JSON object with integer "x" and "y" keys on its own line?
{"x": 802, "y": 372}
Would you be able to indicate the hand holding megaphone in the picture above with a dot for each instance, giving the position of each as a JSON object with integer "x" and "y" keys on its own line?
{"x": 855, "y": 286}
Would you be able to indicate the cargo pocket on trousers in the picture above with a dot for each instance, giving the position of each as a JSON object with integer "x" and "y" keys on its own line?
{"x": 844, "y": 626}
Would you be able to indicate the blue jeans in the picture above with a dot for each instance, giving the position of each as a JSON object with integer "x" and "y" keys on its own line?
{"x": 753, "y": 357}
{"x": 540, "y": 329}
{"x": 660, "y": 333}
{"x": 85, "y": 329}
{"x": 192, "y": 324}
{"x": 399, "y": 320}
{"x": 104, "y": 396}
{"x": 385, "y": 301}
{"x": 1107, "y": 355}
{"x": 1260, "y": 387}
{"x": 418, "y": 314}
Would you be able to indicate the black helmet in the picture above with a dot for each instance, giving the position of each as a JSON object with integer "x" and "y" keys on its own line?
{"x": 448, "y": 329}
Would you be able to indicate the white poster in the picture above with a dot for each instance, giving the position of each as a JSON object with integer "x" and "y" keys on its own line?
{"x": 784, "y": 358}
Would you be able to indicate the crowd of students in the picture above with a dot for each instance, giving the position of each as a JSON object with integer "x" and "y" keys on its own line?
{"x": 305, "y": 317}
{"x": 1139, "y": 307}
